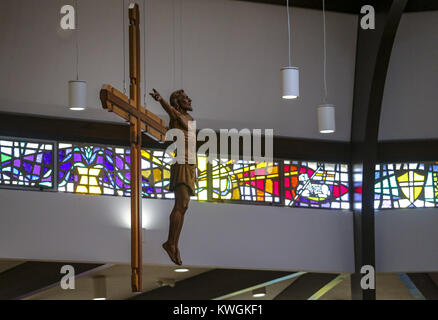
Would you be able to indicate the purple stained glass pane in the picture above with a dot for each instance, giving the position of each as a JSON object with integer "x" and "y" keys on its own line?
{"x": 17, "y": 163}
{"x": 109, "y": 166}
{"x": 47, "y": 157}
{"x": 99, "y": 160}
{"x": 119, "y": 163}
{"x": 27, "y": 166}
{"x": 37, "y": 169}
{"x": 118, "y": 181}
{"x": 77, "y": 157}
{"x": 30, "y": 158}
{"x": 66, "y": 166}
{"x": 61, "y": 155}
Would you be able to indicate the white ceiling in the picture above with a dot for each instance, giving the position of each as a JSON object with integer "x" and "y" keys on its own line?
{"x": 229, "y": 61}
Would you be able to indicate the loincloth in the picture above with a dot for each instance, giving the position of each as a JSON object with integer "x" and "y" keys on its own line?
{"x": 183, "y": 174}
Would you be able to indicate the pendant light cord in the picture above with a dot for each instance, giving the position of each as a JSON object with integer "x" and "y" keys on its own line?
{"x": 288, "y": 31}
{"x": 181, "y": 40}
{"x": 174, "y": 46}
{"x": 77, "y": 40}
{"x": 325, "y": 52}
{"x": 124, "y": 47}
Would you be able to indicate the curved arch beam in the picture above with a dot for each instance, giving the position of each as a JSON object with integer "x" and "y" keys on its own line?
{"x": 373, "y": 54}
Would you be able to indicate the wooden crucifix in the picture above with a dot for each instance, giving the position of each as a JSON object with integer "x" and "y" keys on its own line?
{"x": 141, "y": 120}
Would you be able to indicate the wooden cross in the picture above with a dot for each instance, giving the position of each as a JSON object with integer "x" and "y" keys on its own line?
{"x": 141, "y": 120}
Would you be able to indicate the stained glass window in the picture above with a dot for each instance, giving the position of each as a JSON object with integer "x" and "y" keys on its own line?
{"x": 28, "y": 164}
{"x": 316, "y": 185}
{"x": 406, "y": 185}
{"x": 156, "y": 174}
{"x": 97, "y": 170}
{"x": 106, "y": 170}
{"x": 86, "y": 169}
{"x": 246, "y": 180}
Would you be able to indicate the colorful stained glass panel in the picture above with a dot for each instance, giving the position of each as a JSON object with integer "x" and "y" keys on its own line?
{"x": 316, "y": 185}
{"x": 246, "y": 180}
{"x": 406, "y": 185}
{"x": 92, "y": 169}
{"x": 28, "y": 164}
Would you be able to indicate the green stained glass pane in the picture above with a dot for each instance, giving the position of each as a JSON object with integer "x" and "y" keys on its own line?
{"x": 5, "y": 157}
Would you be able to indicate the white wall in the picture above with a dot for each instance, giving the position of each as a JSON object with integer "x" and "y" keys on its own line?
{"x": 409, "y": 108}
{"x": 230, "y": 60}
{"x": 406, "y": 240}
{"x": 61, "y": 226}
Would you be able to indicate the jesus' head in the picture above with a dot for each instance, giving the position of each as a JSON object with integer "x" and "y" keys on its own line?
{"x": 180, "y": 100}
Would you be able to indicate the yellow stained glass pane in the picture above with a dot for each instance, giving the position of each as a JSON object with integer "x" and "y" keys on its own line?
{"x": 82, "y": 171}
{"x": 93, "y": 182}
{"x": 146, "y": 173}
{"x": 157, "y": 175}
{"x": 269, "y": 186}
{"x": 157, "y": 161}
{"x": 81, "y": 189}
{"x": 95, "y": 190}
{"x": 84, "y": 180}
{"x": 94, "y": 172}
{"x": 145, "y": 154}
{"x": 417, "y": 192}
{"x": 404, "y": 178}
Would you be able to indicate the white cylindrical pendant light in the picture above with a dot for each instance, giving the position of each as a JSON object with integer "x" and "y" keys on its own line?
{"x": 290, "y": 76}
{"x": 290, "y": 81}
{"x": 326, "y": 118}
{"x": 77, "y": 95}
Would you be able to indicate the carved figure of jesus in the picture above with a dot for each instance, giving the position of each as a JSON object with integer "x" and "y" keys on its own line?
{"x": 182, "y": 175}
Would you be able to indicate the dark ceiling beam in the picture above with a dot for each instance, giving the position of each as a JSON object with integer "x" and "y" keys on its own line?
{"x": 373, "y": 54}
{"x": 407, "y": 150}
{"x": 94, "y": 132}
{"x": 74, "y": 130}
{"x": 305, "y": 286}
{"x": 349, "y": 6}
{"x": 425, "y": 284}
{"x": 211, "y": 284}
{"x": 30, "y": 278}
